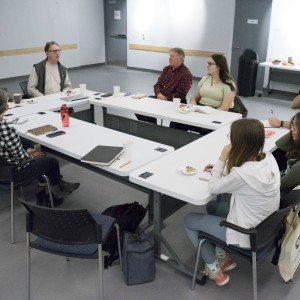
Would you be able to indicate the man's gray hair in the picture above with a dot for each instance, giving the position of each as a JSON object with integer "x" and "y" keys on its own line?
{"x": 179, "y": 51}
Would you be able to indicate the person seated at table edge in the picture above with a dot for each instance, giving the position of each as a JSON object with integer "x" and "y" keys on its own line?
{"x": 49, "y": 76}
{"x": 12, "y": 152}
{"x": 217, "y": 89}
{"x": 275, "y": 122}
{"x": 252, "y": 178}
{"x": 296, "y": 102}
{"x": 175, "y": 81}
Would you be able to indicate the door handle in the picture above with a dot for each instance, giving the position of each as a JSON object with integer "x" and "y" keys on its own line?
{"x": 235, "y": 46}
{"x": 119, "y": 36}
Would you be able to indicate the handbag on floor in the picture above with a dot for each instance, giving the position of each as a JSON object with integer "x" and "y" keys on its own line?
{"x": 138, "y": 262}
{"x": 289, "y": 258}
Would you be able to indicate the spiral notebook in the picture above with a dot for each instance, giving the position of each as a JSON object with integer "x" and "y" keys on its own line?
{"x": 102, "y": 155}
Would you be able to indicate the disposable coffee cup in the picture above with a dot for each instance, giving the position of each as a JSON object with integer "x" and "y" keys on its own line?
{"x": 128, "y": 147}
{"x": 176, "y": 102}
{"x": 82, "y": 88}
{"x": 116, "y": 90}
{"x": 17, "y": 98}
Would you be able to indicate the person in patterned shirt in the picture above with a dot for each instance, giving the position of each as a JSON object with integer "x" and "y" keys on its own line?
{"x": 175, "y": 81}
{"x": 12, "y": 152}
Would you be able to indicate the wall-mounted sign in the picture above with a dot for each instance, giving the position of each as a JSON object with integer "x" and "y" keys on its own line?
{"x": 252, "y": 21}
{"x": 117, "y": 14}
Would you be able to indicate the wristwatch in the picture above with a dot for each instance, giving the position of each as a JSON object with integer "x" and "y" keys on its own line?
{"x": 281, "y": 123}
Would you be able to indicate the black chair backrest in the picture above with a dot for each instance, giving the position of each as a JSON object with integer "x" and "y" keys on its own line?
{"x": 270, "y": 229}
{"x": 239, "y": 107}
{"x": 6, "y": 171}
{"x": 23, "y": 85}
{"x": 62, "y": 226}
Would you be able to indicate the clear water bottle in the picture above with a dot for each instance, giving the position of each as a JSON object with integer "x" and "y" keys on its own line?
{"x": 64, "y": 112}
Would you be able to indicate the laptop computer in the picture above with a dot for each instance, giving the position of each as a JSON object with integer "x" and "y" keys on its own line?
{"x": 74, "y": 98}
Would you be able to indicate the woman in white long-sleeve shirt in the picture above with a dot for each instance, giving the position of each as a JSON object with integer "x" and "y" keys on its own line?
{"x": 253, "y": 179}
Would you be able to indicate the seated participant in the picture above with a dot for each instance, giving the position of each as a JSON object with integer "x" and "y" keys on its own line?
{"x": 275, "y": 122}
{"x": 290, "y": 143}
{"x": 287, "y": 156}
{"x": 49, "y": 76}
{"x": 175, "y": 81}
{"x": 253, "y": 179}
{"x": 13, "y": 152}
{"x": 296, "y": 102}
{"x": 217, "y": 89}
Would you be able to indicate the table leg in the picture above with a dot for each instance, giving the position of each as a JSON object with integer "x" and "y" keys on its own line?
{"x": 104, "y": 109}
{"x": 159, "y": 239}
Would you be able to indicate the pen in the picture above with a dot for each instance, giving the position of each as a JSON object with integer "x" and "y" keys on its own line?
{"x": 125, "y": 164}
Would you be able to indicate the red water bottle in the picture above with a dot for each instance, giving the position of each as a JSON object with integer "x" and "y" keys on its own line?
{"x": 64, "y": 112}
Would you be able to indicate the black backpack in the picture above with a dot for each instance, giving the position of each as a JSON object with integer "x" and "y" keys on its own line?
{"x": 128, "y": 216}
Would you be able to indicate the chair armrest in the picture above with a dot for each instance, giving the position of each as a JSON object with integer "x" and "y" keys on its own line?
{"x": 248, "y": 231}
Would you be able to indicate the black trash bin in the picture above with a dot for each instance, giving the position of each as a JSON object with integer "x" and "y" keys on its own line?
{"x": 248, "y": 64}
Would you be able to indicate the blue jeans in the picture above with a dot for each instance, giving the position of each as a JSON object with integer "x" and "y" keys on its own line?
{"x": 195, "y": 222}
{"x": 219, "y": 207}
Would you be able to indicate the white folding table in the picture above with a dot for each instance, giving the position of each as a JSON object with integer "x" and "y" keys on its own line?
{"x": 164, "y": 177}
{"x": 81, "y": 137}
{"x": 166, "y": 110}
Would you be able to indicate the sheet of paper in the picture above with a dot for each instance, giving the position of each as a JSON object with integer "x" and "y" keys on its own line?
{"x": 204, "y": 175}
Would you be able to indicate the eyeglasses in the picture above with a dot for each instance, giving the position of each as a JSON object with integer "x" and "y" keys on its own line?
{"x": 55, "y": 51}
{"x": 294, "y": 126}
{"x": 211, "y": 64}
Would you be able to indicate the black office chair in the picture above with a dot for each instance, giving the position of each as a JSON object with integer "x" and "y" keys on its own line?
{"x": 239, "y": 107}
{"x": 23, "y": 85}
{"x": 8, "y": 181}
{"x": 70, "y": 233}
{"x": 263, "y": 239}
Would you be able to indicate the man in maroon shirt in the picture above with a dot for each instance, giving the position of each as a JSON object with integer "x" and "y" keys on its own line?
{"x": 174, "y": 82}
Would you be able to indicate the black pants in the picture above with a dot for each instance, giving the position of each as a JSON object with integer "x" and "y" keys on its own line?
{"x": 41, "y": 166}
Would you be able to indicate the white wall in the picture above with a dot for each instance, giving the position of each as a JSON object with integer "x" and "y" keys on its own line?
{"x": 284, "y": 36}
{"x": 31, "y": 23}
{"x": 191, "y": 24}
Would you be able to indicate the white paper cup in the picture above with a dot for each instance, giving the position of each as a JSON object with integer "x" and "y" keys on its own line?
{"x": 176, "y": 102}
{"x": 116, "y": 90}
{"x": 17, "y": 98}
{"x": 82, "y": 87}
{"x": 128, "y": 149}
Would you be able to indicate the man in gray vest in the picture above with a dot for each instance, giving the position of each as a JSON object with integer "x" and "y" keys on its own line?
{"x": 49, "y": 76}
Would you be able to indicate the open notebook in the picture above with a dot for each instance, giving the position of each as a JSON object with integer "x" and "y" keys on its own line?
{"x": 102, "y": 155}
